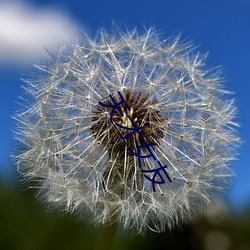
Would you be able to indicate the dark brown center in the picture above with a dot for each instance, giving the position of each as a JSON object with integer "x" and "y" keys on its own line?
{"x": 143, "y": 114}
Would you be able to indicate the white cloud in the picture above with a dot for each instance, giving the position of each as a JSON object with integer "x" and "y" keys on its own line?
{"x": 25, "y": 31}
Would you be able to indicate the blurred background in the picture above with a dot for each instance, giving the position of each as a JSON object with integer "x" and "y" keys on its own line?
{"x": 29, "y": 28}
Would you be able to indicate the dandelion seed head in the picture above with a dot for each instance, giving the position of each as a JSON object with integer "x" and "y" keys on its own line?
{"x": 76, "y": 155}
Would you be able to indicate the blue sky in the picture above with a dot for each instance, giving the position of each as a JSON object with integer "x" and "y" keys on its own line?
{"x": 221, "y": 27}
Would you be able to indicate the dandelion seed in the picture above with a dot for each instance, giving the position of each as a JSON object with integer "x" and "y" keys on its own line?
{"x": 76, "y": 153}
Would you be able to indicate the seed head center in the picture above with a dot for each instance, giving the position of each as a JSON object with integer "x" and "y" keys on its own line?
{"x": 136, "y": 114}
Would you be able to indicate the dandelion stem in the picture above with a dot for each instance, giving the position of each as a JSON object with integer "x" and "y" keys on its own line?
{"x": 105, "y": 236}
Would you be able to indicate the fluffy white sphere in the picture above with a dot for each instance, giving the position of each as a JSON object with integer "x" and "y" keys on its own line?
{"x": 80, "y": 161}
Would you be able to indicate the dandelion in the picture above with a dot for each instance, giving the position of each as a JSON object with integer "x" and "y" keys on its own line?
{"x": 75, "y": 152}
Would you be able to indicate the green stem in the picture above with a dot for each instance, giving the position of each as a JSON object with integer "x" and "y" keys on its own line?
{"x": 105, "y": 236}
